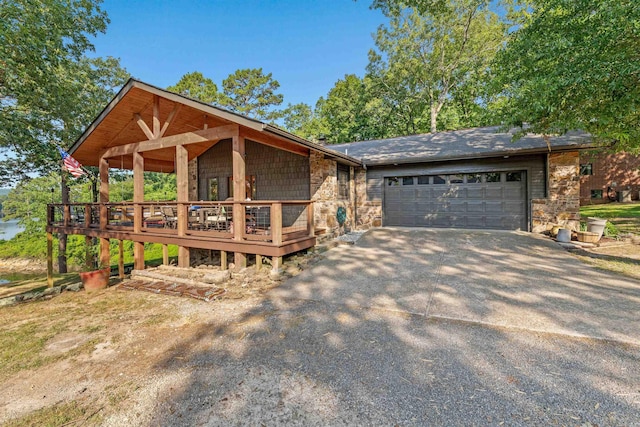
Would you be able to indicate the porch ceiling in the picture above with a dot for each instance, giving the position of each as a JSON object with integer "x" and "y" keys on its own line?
{"x": 118, "y": 125}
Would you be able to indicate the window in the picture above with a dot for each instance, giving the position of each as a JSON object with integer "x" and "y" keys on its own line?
{"x": 473, "y": 178}
{"x": 343, "y": 181}
{"x": 596, "y": 194}
{"x": 514, "y": 176}
{"x": 213, "y": 189}
{"x": 440, "y": 179}
{"x": 393, "y": 181}
{"x": 586, "y": 169}
{"x": 493, "y": 177}
{"x": 407, "y": 180}
{"x": 250, "y": 182}
{"x": 423, "y": 180}
{"x": 456, "y": 179}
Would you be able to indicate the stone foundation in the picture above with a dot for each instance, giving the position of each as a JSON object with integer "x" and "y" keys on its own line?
{"x": 562, "y": 205}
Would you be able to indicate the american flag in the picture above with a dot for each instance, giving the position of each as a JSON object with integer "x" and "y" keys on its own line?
{"x": 71, "y": 164}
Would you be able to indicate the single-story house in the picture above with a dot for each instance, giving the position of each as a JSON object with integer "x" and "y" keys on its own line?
{"x": 251, "y": 189}
{"x": 607, "y": 177}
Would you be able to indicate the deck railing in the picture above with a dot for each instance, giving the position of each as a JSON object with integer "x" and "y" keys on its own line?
{"x": 274, "y": 222}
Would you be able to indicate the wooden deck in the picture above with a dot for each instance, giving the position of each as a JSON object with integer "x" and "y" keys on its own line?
{"x": 270, "y": 228}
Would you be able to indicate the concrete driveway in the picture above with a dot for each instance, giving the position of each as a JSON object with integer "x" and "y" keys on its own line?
{"x": 506, "y": 279}
{"x": 416, "y": 327}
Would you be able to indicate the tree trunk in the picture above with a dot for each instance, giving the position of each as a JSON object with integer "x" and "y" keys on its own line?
{"x": 62, "y": 238}
{"x": 434, "y": 118}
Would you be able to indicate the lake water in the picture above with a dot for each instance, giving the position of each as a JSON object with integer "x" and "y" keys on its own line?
{"x": 8, "y": 229}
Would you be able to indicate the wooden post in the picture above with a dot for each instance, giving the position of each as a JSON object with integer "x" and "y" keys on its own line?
{"x": 258, "y": 262}
{"x": 121, "y": 259}
{"x": 105, "y": 259}
{"x": 105, "y": 256}
{"x": 276, "y": 223}
{"x": 49, "y": 260}
{"x": 88, "y": 254}
{"x": 276, "y": 264}
{"x": 165, "y": 254}
{"x": 239, "y": 195}
{"x": 138, "y": 197}
{"x": 182, "y": 184}
{"x": 104, "y": 192}
{"x": 224, "y": 265}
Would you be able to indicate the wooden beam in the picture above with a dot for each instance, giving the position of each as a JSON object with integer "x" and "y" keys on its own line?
{"x": 49, "y": 260}
{"x": 258, "y": 262}
{"x": 104, "y": 191}
{"x": 224, "y": 265}
{"x": 276, "y": 223}
{"x": 165, "y": 254}
{"x": 239, "y": 170}
{"x": 143, "y": 126}
{"x": 121, "y": 259}
{"x": 205, "y": 135}
{"x": 138, "y": 255}
{"x": 172, "y": 115}
{"x": 274, "y": 141}
{"x": 156, "y": 117}
{"x": 138, "y": 190}
{"x": 182, "y": 193}
{"x": 105, "y": 257}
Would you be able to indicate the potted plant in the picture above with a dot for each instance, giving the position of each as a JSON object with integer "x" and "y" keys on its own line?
{"x": 95, "y": 276}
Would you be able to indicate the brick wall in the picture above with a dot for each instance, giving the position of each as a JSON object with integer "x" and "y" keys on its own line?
{"x": 621, "y": 171}
{"x": 324, "y": 190}
{"x": 562, "y": 204}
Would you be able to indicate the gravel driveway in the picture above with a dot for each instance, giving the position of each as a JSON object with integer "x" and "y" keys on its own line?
{"x": 417, "y": 327}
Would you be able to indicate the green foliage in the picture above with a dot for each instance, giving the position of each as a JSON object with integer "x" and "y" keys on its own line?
{"x": 252, "y": 93}
{"x": 610, "y": 230}
{"x": 196, "y": 86}
{"x": 424, "y": 60}
{"x": 247, "y": 91}
{"x": 49, "y": 91}
{"x": 574, "y": 64}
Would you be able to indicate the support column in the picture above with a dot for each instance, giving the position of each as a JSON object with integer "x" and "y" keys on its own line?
{"x": 239, "y": 195}
{"x": 182, "y": 184}
{"x": 121, "y": 259}
{"x": 223, "y": 260}
{"x": 105, "y": 259}
{"x": 165, "y": 255}
{"x": 138, "y": 197}
{"x": 49, "y": 260}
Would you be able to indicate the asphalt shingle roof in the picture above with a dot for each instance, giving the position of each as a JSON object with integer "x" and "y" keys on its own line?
{"x": 460, "y": 144}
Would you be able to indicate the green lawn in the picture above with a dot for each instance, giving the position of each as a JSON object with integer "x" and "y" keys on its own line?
{"x": 611, "y": 210}
{"x": 624, "y": 216}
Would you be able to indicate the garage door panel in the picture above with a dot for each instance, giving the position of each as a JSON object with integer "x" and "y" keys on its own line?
{"x": 498, "y": 205}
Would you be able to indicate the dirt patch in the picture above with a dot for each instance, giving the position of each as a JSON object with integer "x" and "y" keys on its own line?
{"x": 22, "y": 265}
{"x": 87, "y": 356}
{"x": 611, "y": 255}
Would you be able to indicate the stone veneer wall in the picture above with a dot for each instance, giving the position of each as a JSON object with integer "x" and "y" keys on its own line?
{"x": 368, "y": 213}
{"x": 562, "y": 204}
{"x": 324, "y": 191}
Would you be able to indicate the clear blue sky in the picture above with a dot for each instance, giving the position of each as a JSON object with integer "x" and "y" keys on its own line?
{"x": 306, "y": 45}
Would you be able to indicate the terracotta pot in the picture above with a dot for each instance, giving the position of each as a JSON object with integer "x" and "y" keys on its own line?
{"x": 94, "y": 280}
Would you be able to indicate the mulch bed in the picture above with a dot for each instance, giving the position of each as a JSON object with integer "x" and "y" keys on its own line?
{"x": 174, "y": 289}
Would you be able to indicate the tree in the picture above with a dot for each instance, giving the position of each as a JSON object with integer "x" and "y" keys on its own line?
{"x": 196, "y": 86}
{"x": 348, "y": 111}
{"x": 426, "y": 54}
{"x": 49, "y": 91}
{"x": 574, "y": 64}
{"x": 252, "y": 93}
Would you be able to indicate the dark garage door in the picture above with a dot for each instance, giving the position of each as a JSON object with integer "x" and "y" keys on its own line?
{"x": 495, "y": 200}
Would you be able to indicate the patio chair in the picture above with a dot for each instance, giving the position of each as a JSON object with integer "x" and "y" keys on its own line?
{"x": 170, "y": 216}
{"x": 215, "y": 218}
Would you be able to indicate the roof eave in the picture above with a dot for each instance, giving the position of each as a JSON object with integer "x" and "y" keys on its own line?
{"x": 509, "y": 153}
